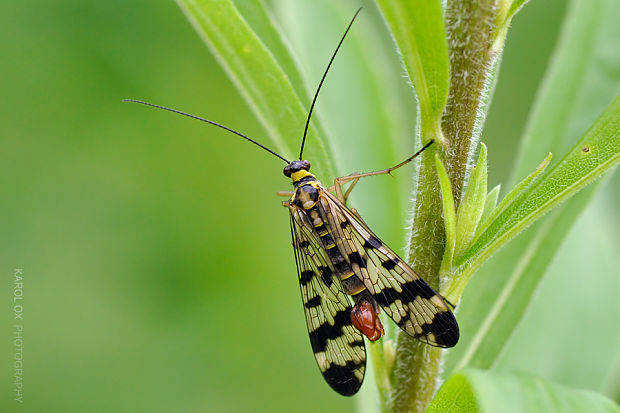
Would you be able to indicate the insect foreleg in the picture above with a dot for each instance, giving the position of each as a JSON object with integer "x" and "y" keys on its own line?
{"x": 287, "y": 194}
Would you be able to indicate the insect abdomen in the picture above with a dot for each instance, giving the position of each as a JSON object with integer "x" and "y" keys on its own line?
{"x": 352, "y": 285}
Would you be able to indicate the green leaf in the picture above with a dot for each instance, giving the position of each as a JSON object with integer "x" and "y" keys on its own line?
{"x": 255, "y": 14}
{"x": 418, "y": 29}
{"x": 578, "y": 86}
{"x": 449, "y": 215}
{"x": 513, "y": 194}
{"x": 595, "y": 153}
{"x": 506, "y": 10}
{"x": 473, "y": 391}
{"x": 258, "y": 75}
{"x": 472, "y": 206}
{"x": 515, "y": 6}
{"x": 490, "y": 203}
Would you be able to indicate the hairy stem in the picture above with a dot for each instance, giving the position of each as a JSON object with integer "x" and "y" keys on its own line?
{"x": 414, "y": 391}
{"x": 470, "y": 34}
{"x": 470, "y": 29}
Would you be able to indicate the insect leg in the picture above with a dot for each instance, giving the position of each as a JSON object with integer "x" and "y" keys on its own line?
{"x": 346, "y": 194}
{"x": 287, "y": 194}
{"x": 338, "y": 182}
{"x": 338, "y": 188}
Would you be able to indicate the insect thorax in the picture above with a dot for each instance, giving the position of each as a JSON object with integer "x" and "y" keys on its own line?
{"x": 306, "y": 193}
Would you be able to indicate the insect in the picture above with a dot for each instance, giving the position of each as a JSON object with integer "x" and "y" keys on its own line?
{"x": 346, "y": 273}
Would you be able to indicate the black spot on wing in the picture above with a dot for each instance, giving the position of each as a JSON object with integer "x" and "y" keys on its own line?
{"x": 305, "y": 277}
{"x": 390, "y": 263}
{"x": 445, "y": 328}
{"x": 443, "y": 325}
{"x": 313, "y": 302}
{"x": 356, "y": 258}
{"x": 304, "y": 244}
{"x": 326, "y": 275}
{"x": 411, "y": 290}
{"x": 326, "y": 331}
{"x": 420, "y": 287}
{"x": 372, "y": 242}
{"x": 342, "y": 378}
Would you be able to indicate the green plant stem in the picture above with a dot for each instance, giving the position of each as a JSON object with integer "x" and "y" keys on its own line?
{"x": 417, "y": 365}
{"x": 414, "y": 391}
{"x": 470, "y": 29}
{"x": 418, "y": 29}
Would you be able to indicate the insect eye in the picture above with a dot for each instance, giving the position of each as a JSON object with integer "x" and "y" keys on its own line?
{"x": 305, "y": 165}
{"x": 287, "y": 171}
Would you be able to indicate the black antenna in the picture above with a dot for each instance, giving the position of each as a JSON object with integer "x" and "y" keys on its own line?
{"x": 208, "y": 121}
{"x": 303, "y": 141}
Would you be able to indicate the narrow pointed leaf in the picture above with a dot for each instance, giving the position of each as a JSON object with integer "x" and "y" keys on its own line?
{"x": 515, "y": 6}
{"x": 490, "y": 203}
{"x": 258, "y": 76}
{"x": 472, "y": 206}
{"x": 449, "y": 215}
{"x": 513, "y": 195}
{"x": 418, "y": 30}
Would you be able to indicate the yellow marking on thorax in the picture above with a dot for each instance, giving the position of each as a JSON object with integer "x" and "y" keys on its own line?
{"x": 296, "y": 176}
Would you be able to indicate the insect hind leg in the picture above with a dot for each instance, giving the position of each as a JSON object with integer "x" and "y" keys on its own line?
{"x": 339, "y": 182}
{"x": 337, "y": 186}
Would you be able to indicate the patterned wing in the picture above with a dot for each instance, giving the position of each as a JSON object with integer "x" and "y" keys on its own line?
{"x": 338, "y": 346}
{"x": 413, "y": 305}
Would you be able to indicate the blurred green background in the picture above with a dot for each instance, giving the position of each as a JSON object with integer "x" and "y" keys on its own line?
{"x": 158, "y": 271}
